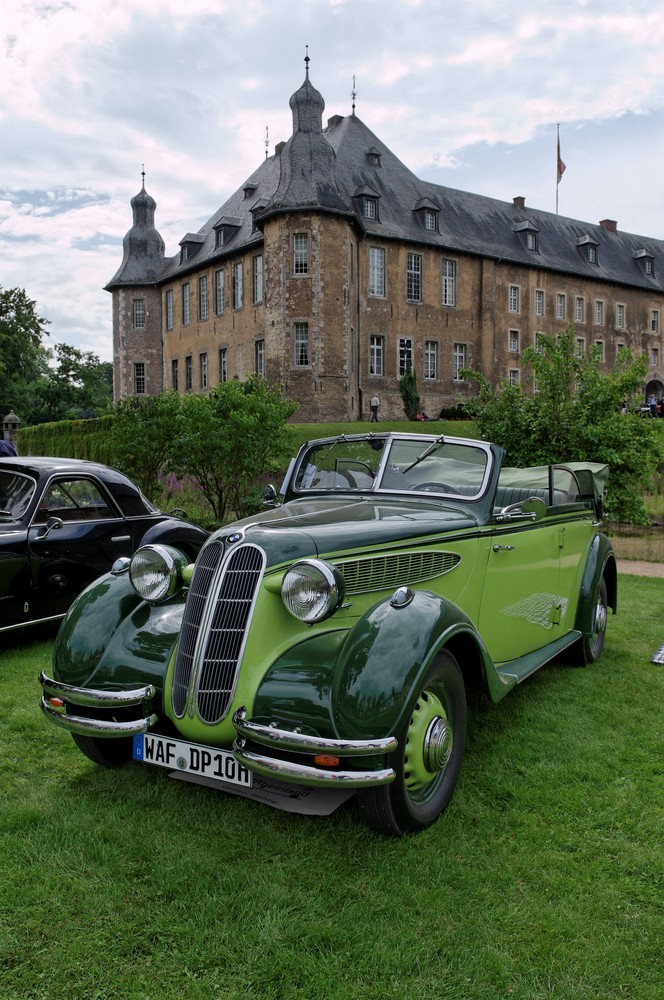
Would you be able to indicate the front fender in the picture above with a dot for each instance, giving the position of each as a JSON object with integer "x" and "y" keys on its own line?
{"x": 111, "y": 639}
{"x": 385, "y": 657}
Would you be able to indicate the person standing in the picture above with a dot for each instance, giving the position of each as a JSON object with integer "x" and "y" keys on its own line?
{"x": 374, "y": 404}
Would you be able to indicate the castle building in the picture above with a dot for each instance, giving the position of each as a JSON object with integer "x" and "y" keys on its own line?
{"x": 333, "y": 269}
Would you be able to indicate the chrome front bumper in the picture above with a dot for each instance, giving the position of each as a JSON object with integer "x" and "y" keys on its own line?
{"x": 56, "y": 694}
{"x": 296, "y": 742}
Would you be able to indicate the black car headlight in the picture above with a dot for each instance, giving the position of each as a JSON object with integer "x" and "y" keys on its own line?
{"x": 156, "y": 572}
{"x": 312, "y": 590}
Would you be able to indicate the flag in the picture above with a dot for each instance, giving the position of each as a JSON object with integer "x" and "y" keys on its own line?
{"x": 561, "y": 165}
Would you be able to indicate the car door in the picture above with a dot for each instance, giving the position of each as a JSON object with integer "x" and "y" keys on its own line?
{"x": 75, "y": 536}
{"x": 522, "y": 608}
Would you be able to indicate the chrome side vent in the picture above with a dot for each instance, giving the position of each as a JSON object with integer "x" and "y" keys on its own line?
{"x": 387, "y": 572}
{"x": 215, "y": 623}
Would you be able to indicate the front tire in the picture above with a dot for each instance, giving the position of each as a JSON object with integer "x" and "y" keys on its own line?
{"x": 105, "y": 752}
{"x": 428, "y": 758}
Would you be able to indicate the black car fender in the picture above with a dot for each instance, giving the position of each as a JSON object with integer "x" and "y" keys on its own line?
{"x": 182, "y": 535}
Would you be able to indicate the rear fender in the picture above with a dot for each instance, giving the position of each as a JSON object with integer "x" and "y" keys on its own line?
{"x": 600, "y": 563}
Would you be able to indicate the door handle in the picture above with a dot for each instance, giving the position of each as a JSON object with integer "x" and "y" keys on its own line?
{"x": 503, "y": 548}
{"x": 121, "y": 538}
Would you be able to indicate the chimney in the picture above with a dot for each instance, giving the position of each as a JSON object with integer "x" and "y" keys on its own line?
{"x": 520, "y": 201}
{"x": 610, "y": 225}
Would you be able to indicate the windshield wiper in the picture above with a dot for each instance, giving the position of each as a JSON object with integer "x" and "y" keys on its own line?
{"x": 438, "y": 443}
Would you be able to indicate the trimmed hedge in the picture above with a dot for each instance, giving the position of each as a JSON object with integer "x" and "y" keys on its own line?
{"x": 87, "y": 439}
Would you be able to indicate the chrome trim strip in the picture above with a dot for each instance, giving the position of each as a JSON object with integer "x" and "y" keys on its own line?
{"x": 95, "y": 727}
{"x": 286, "y": 739}
{"x": 32, "y": 621}
{"x": 91, "y": 698}
{"x": 303, "y": 774}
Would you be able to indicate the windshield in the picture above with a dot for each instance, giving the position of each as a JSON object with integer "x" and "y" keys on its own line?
{"x": 418, "y": 464}
{"x": 15, "y": 494}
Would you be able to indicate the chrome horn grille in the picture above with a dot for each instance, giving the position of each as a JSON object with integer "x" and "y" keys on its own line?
{"x": 215, "y": 622}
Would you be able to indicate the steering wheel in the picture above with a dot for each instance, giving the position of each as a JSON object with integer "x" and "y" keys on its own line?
{"x": 438, "y": 487}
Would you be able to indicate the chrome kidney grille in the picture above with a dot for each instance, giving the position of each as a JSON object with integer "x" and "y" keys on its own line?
{"x": 214, "y": 626}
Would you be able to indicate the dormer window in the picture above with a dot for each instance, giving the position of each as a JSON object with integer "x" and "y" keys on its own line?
{"x": 190, "y": 245}
{"x": 366, "y": 201}
{"x": 248, "y": 190}
{"x": 370, "y": 208}
{"x": 373, "y": 155}
{"x": 225, "y": 229}
{"x": 589, "y": 248}
{"x": 427, "y": 211}
{"x": 647, "y": 261}
{"x": 529, "y": 233}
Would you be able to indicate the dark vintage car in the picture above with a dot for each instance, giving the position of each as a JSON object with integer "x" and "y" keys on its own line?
{"x": 63, "y": 523}
{"x": 325, "y": 646}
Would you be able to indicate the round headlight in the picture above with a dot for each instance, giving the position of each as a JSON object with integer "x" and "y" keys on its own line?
{"x": 155, "y": 572}
{"x": 312, "y": 590}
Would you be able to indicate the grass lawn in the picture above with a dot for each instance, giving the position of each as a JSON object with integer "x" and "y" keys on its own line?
{"x": 544, "y": 879}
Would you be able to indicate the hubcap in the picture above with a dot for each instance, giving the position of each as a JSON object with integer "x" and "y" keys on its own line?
{"x": 428, "y": 742}
{"x": 600, "y": 619}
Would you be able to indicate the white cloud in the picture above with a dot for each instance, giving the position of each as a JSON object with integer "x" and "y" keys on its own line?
{"x": 467, "y": 95}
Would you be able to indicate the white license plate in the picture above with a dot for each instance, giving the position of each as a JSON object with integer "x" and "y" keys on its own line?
{"x": 178, "y": 755}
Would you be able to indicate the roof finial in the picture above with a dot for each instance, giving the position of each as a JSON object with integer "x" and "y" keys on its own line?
{"x": 353, "y": 94}
{"x": 306, "y": 60}
{"x": 143, "y": 175}
{"x": 267, "y": 140}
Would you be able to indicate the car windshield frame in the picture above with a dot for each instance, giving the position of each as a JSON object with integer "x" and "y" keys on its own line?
{"x": 413, "y": 464}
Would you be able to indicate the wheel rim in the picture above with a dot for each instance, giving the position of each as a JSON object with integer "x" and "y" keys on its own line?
{"x": 429, "y": 742}
{"x": 600, "y": 622}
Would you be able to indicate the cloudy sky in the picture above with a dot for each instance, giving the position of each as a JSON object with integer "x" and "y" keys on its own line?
{"x": 467, "y": 94}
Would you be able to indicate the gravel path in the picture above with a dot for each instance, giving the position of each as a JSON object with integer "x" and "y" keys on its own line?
{"x": 640, "y": 568}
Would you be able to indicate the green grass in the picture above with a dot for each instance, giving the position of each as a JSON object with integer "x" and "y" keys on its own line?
{"x": 543, "y": 880}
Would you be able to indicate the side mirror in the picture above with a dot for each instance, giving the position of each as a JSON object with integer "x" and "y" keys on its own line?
{"x": 270, "y": 496}
{"x": 535, "y": 507}
{"x": 52, "y": 524}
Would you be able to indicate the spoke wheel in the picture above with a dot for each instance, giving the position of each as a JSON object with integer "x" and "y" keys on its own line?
{"x": 428, "y": 757}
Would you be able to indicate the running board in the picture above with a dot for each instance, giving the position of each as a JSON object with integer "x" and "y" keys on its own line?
{"x": 515, "y": 671}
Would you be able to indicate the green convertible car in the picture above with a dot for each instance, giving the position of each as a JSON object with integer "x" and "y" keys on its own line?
{"x": 323, "y": 648}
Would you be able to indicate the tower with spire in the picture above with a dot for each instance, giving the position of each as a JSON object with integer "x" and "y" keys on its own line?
{"x": 137, "y": 342}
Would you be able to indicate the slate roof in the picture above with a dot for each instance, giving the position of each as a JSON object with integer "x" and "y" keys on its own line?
{"x": 331, "y": 169}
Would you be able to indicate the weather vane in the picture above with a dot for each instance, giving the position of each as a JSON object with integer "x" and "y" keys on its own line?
{"x": 267, "y": 139}
{"x": 306, "y": 59}
{"x": 353, "y": 93}
{"x": 143, "y": 173}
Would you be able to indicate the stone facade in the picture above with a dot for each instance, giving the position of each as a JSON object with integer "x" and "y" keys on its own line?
{"x": 333, "y": 268}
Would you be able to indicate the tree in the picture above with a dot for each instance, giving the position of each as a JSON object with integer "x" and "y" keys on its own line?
{"x": 409, "y": 394}
{"x": 142, "y": 439}
{"x": 23, "y": 358}
{"x": 570, "y": 411}
{"x": 76, "y": 386}
{"x": 226, "y": 440}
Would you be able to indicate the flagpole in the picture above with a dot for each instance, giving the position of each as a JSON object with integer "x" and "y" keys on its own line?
{"x": 557, "y": 164}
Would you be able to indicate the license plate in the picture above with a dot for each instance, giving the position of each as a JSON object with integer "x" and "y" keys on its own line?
{"x": 178, "y": 755}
